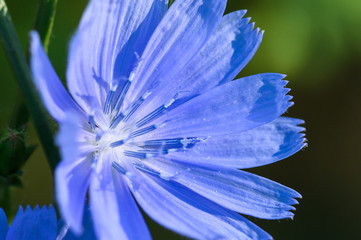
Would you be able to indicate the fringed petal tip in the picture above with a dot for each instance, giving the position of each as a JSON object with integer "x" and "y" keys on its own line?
{"x": 299, "y": 141}
{"x": 39, "y": 222}
{"x": 254, "y": 30}
{"x": 235, "y": 190}
{"x": 302, "y": 135}
{"x": 37, "y": 208}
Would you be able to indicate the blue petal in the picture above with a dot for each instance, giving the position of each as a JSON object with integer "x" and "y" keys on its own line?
{"x": 222, "y": 57}
{"x": 17, "y": 222}
{"x": 182, "y": 32}
{"x": 64, "y": 233}
{"x": 55, "y": 98}
{"x": 231, "y": 188}
{"x": 105, "y": 46}
{"x": 72, "y": 181}
{"x": 184, "y": 211}
{"x": 4, "y": 225}
{"x": 114, "y": 211}
{"x": 72, "y": 175}
{"x": 132, "y": 219}
{"x": 73, "y": 138}
{"x": 48, "y": 222}
{"x": 67, "y": 138}
{"x": 230, "y": 108}
{"x": 263, "y": 145}
{"x": 37, "y": 224}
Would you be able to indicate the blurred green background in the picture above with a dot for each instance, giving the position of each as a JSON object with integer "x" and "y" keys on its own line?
{"x": 317, "y": 43}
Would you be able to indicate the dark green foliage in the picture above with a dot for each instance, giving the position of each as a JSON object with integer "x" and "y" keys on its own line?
{"x": 17, "y": 60}
{"x": 13, "y": 154}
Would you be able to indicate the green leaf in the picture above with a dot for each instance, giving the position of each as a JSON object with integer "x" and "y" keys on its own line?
{"x": 16, "y": 57}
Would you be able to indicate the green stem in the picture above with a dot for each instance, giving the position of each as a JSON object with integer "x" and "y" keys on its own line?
{"x": 45, "y": 20}
{"x": 44, "y": 25}
{"x": 5, "y": 198}
{"x": 22, "y": 74}
{"x": 170, "y": 3}
{"x": 20, "y": 115}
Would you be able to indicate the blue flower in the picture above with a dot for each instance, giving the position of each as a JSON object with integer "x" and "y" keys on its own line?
{"x": 41, "y": 224}
{"x": 153, "y": 118}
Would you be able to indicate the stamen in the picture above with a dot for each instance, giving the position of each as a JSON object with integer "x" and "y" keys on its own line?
{"x": 117, "y": 120}
{"x": 166, "y": 144}
{"x": 109, "y": 100}
{"x": 99, "y": 135}
{"x": 146, "y": 154}
{"x": 94, "y": 159}
{"x": 150, "y": 116}
{"x": 117, "y": 144}
{"x": 156, "y": 113}
{"x": 145, "y": 169}
{"x": 140, "y": 155}
{"x": 153, "y": 172}
{"x": 92, "y": 121}
{"x": 123, "y": 92}
{"x": 135, "y": 106}
{"x": 142, "y": 131}
{"x": 119, "y": 168}
{"x": 120, "y": 99}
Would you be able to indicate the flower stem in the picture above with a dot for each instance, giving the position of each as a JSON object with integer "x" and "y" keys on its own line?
{"x": 5, "y": 198}
{"x": 170, "y": 3}
{"x": 45, "y": 20}
{"x": 44, "y": 26}
{"x": 22, "y": 74}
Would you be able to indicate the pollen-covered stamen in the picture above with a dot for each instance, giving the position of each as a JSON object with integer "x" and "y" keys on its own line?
{"x": 125, "y": 118}
{"x": 119, "y": 168}
{"x": 135, "y": 106}
{"x": 150, "y": 116}
{"x": 116, "y": 120}
{"x": 165, "y": 144}
{"x": 154, "y": 148}
{"x": 94, "y": 159}
{"x": 139, "y": 155}
{"x": 92, "y": 122}
{"x": 143, "y": 131}
{"x": 156, "y": 113}
{"x": 146, "y": 154}
{"x": 120, "y": 99}
{"x": 145, "y": 169}
{"x": 117, "y": 143}
{"x": 98, "y": 135}
{"x": 109, "y": 100}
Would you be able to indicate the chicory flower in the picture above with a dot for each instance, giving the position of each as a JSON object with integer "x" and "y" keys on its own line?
{"x": 154, "y": 118}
